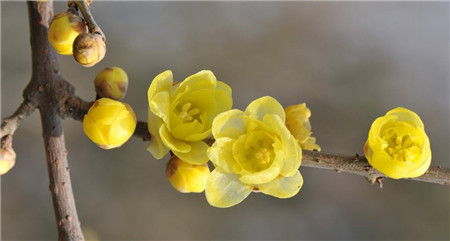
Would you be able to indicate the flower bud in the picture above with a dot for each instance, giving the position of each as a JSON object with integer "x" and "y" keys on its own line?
{"x": 109, "y": 123}
{"x": 63, "y": 30}
{"x": 186, "y": 177}
{"x": 89, "y": 49}
{"x": 8, "y": 159}
{"x": 297, "y": 121}
{"x": 111, "y": 83}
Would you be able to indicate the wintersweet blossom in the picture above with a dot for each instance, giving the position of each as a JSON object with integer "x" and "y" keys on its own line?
{"x": 180, "y": 116}
{"x": 253, "y": 151}
{"x": 397, "y": 145}
{"x": 297, "y": 121}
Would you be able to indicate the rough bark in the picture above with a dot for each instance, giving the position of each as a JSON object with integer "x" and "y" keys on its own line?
{"x": 48, "y": 91}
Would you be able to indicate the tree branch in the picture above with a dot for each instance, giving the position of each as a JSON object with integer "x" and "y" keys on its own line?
{"x": 358, "y": 165}
{"x": 76, "y": 108}
{"x": 49, "y": 91}
{"x": 10, "y": 124}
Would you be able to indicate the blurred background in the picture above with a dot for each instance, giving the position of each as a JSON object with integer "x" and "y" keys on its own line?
{"x": 350, "y": 62}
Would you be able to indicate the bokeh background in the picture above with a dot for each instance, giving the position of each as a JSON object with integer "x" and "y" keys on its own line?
{"x": 350, "y": 62}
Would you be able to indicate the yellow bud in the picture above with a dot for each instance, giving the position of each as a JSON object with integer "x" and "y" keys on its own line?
{"x": 109, "y": 123}
{"x": 297, "y": 121}
{"x": 8, "y": 159}
{"x": 89, "y": 49}
{"x": 63, "y": 30}
{"x": 111, "y": 83}
{"x": 186, "y": 177}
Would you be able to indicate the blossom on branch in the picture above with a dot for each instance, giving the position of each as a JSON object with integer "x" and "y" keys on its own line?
{"x": 109, "y": 123}
{"x": 253, "y": 151}
{"x": 180, "y": 116}
{"x": 397, "y": 145}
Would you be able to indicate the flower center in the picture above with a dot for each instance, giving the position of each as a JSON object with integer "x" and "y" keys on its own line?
{"x": 263, "y": 156}
{"x": 188, "y": 113}
{"x": 401, "y": 146}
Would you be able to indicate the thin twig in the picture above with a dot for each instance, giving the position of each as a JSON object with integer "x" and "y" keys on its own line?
{"x": 10, "y": 124}
{"x": 92, "y": 25}
{"x": 358, "y": 165}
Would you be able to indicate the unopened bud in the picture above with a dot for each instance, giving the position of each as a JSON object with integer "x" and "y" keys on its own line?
{"x": 111, "y": 83}
{"x": 186, "y": 177}
{"x": 63, "y": 30}
{"x": 89, "y": 49}
{"x": 8, "y": 159}
{"x": 109, "y": 123}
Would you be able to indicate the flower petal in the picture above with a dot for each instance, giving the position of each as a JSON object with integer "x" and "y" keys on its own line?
{"x": 263, "y": 106}
{"x": 263, "y": 176}
{"x": 196, "y": 155}
{"x": 223, "y": 97}
{"x": 225, "y": 190}
{"x": 406, "y": 115}
{"x": 292, "y": 159}
{"x": 171, "y": 142}
{"x": 221, "y": 155}
{"x": 283, "y": 187}
{"x": 162, "y": 82}
{"x": 156, "y": 146}
{"x": 160, "y": 104}
{"x": 204, "y": 79}
{"x": 230, "y": 124}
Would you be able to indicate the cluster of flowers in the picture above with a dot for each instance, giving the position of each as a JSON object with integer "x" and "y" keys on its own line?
{"x": 255, "y": 150}
{"x": 259, "y": 149}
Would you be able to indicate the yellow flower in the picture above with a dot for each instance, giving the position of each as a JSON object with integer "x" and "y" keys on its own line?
{"x": 109, "y": 123}
{"x": 180, "y": 116}
{"x": 297, "y": 121}
{"x": 397, "y": 145}
{"x": 253, "y": 151}
{"x": 186, "y": 177}
{"x": 63, "y": 30}
{"x": 111, "y": 83}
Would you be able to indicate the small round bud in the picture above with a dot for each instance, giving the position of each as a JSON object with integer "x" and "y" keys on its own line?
{"x": 89, "y": 49}
{"x": 8, "y": 159}
{"x": 186, "y": 177}
{"x": 109, "y": 123}
{"x": 63, "y": 30}
{"x": 111, "y": 83}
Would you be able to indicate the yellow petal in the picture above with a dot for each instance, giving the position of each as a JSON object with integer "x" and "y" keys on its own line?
{"x": 162, "y": 82}
{"x": 283, "y": 187}
{"x": 225, "y": 190}
{"x": 91, "y": 130}
{"x": 263, "y": 106}
{"x": 425, "y": 162}
{"x": 171, "y": 142}
{"x": 221, "y": 155}
{"x": 260, "y": 177}
{"x": 197, "y": 154}
{"x": 159, "y": 104}
{"x": 293, "y": 158}
{"x": 223, "y": 97}
{"x": 156, "y": 146}
{"x": 406, "y": 115}
{"x": 231, "y": 124}
{"x": 204, "y": 79}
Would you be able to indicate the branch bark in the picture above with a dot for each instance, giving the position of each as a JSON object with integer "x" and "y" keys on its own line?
{"x": 358, "y": 165}
{"x": 49, "y": 91}
{"x": 76, "y": 108}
